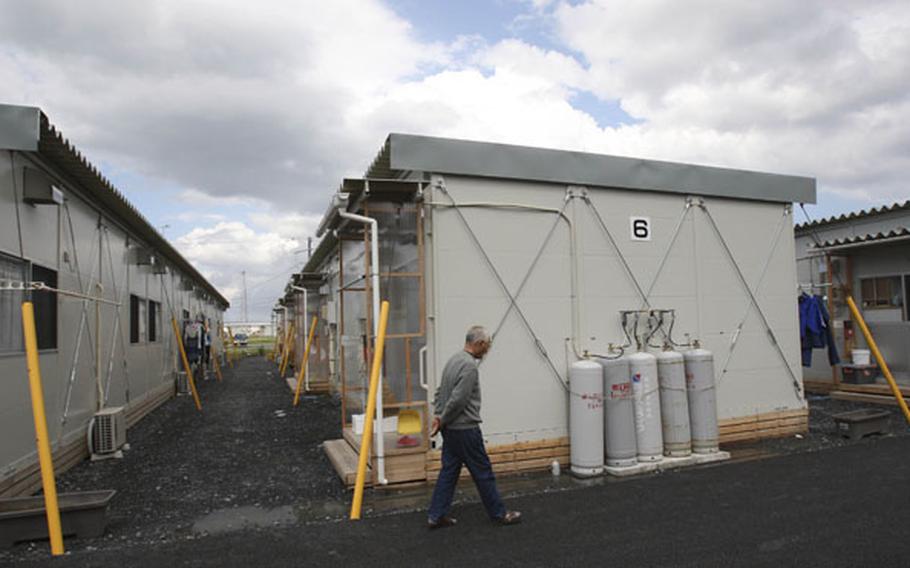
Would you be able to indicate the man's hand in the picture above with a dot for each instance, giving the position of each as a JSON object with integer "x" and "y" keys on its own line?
{"x": 434, "y": 429}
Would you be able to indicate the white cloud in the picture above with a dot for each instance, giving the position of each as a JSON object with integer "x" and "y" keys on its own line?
{"x": 224, "y": 251}
{"x": 265, "y": 107}
{"x": 234, "y": 243}
{"x": 228, "y": 97}
{"x": 194, "y": 197}
{"x": 196, "y": 217}
{"x": 287, "y": 224}
{"x": 810, "y": 87}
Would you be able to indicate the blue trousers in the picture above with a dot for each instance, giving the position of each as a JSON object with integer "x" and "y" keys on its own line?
{"x": 465, "y": 447}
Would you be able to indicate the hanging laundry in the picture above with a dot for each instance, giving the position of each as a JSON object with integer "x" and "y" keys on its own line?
{"x": 815, "y": 329}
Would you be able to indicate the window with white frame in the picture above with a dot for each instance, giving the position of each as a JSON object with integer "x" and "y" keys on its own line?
{"x": 138, "y": 319}
{"x": 13, "y": 272}
{"x": 882, "y": 292}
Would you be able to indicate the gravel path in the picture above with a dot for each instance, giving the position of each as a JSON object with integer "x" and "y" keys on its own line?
{"x": 248, "y": 454}
{"x": 823, "y": 433}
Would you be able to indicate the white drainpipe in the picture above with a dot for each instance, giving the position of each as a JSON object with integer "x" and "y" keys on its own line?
{"x": 374, "y": 276}
{"x": 306, "y": 372}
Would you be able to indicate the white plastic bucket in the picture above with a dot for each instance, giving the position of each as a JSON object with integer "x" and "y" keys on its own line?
{"x": 861, "y": 356}
{"x": 389, "y": 423}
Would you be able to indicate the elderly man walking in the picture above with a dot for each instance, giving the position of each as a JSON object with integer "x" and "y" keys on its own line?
{"x": 457, "y": 409}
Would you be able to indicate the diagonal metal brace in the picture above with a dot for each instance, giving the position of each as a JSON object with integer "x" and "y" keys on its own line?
{"x": 796, "y": 384}
{"x": 505, "y": 289}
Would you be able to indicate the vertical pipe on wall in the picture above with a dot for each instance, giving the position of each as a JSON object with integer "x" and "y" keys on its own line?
{"x": 98, "y": 382}
{"x": 306, "y": 363}
{"x": 372, "y": 402}
{"x": 374, "y": 279}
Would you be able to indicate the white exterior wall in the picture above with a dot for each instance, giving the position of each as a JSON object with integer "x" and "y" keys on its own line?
{"x": 521, "y": 398}
{"x": 149, "y": 368}
{"x": 888, "y": 325}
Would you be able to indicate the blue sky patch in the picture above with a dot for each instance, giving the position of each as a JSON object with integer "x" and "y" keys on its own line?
{"x": 606, "y": 113}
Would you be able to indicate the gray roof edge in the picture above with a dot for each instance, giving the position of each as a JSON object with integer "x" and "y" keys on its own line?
{"x": 487, "y": 159}
{"x": 895, "y": 208}
{"x": 92, "y": 183}
{"x": 20, "y": 127}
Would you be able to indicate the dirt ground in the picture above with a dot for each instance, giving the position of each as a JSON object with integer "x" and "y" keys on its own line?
{"x": 250, "y": 465}
{"x": 188, "y": 473}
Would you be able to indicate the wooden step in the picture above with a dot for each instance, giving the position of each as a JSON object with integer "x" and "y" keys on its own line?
{"x": 319, "y": 387}
{"x": 864, "y": 397}
{"x": 344, "y": 460}
{"x": 315, "y": 388}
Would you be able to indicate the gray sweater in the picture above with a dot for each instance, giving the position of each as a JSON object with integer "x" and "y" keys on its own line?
{"x": 457, "y": 400}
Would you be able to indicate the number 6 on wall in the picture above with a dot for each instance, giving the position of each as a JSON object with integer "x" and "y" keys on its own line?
{"x": 641, "y": 228}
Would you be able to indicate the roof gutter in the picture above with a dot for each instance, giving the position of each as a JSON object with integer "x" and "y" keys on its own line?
{"x": 861, "y": 244}
{"x": 339, "y": 202}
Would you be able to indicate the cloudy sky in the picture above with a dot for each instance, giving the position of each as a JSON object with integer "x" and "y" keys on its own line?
{"x": 230, "y": 123}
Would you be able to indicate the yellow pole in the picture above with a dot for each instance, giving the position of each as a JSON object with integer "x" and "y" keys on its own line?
{"x": 878, "y": 357}
{"x": 357, "y": 504}
{"x": 274, "y": 352}
{"x": 284, "y": 351}
{"x": 186, "y": 364}
{"x": 303, "y": 363}
{"x": 44, "y": 448}
{"x": 287, "y": 352}
{"x": 280, "y": 346}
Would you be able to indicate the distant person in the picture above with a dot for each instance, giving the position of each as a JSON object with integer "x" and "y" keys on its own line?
{"x": 192, "y": 341}
{"x": 457, "y": 416}
{"x": 207, "y": 355}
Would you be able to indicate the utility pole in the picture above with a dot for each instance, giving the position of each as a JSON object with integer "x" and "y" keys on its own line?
{"x": 309, "y": 247}
{"x": 246, "y": 317}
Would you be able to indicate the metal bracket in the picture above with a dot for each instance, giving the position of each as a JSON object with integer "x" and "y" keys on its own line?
{"x": 576, "y": 191}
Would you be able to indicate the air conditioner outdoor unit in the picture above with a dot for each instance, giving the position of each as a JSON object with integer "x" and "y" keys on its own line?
{"x": 108, "y": 433}
{"x": 143, "y": 256}
{"x": 159, "y": 266}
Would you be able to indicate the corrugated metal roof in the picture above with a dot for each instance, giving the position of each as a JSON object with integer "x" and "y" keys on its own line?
{"x": 854, "y": 215}
{"x": 871, "y": 238}
{"x": 60, "y": 152}
{"x": 405, "y": 153}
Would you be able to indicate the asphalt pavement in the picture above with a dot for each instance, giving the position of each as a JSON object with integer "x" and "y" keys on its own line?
{"x": 846, "y": 506}
{"x": 246, "y": 482}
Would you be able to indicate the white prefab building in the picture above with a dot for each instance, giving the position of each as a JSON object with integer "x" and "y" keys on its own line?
{"x": 104, "y": 285}
{"x": 866, "y": 255}
{"x": 546, "y": 248}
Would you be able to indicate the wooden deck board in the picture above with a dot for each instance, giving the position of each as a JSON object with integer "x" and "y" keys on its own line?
{"x": 344, "y": 459}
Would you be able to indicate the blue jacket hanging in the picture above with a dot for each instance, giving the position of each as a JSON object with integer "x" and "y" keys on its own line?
{"x": 815, "y": 329}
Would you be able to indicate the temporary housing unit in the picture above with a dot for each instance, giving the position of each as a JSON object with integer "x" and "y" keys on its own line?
{"x": 104, "y": 284}
{"x": 546, "y": 248}
{"x": 864, "y": 254}
{"x": 294, "y": 315}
